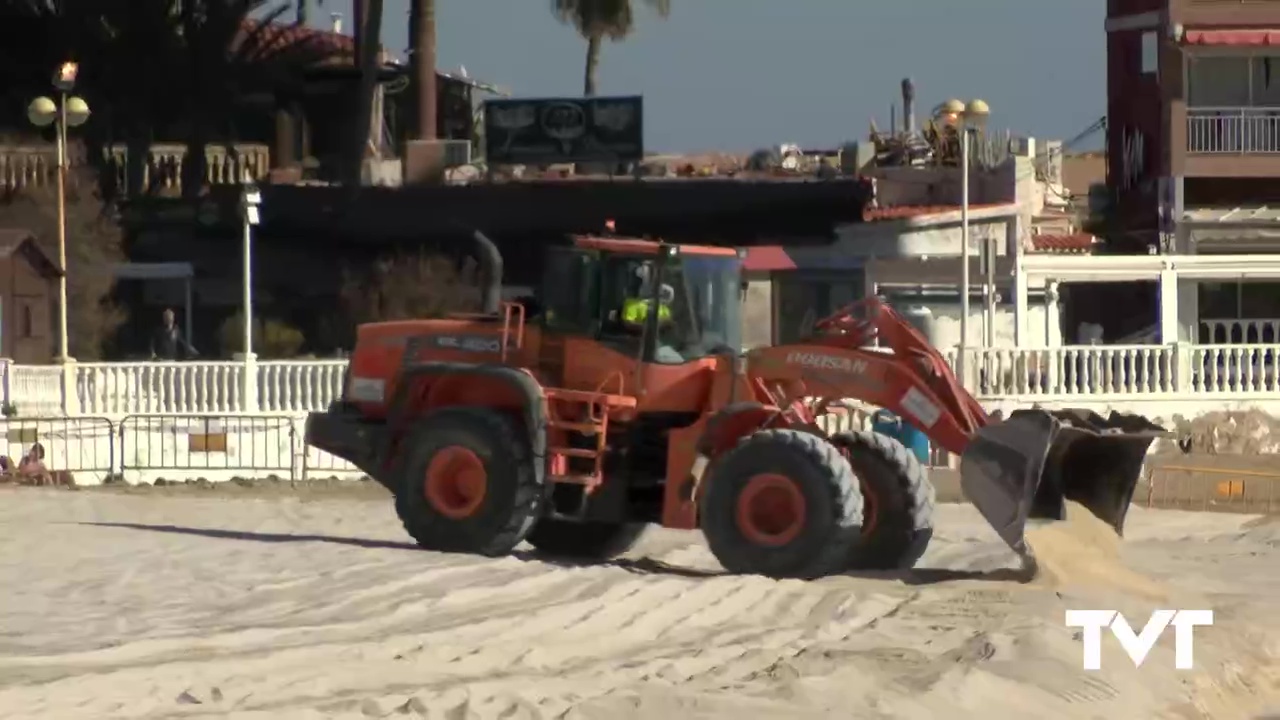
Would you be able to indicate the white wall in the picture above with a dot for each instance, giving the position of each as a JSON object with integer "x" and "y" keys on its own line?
{"x": 946, "y": 326}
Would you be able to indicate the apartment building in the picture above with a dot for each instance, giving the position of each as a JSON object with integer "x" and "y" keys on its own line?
{"x": 1193, "y": 147}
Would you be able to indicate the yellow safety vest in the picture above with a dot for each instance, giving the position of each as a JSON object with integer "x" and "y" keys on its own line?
{"x": 635, "y": 311}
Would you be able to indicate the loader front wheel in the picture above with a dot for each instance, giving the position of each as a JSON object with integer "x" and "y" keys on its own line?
{"x": 784, "y": 504}
{"x": 898, "y": 501}
{"x": 466, "y": 483}
{"x": 584, "y": 540}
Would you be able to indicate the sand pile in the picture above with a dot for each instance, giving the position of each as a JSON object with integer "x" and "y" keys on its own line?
{"x": 1250, "y": 432}
{"x": 1083, "y": 550}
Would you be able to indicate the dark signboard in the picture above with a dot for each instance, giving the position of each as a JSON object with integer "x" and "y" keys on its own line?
{"x": 542, "y": 131}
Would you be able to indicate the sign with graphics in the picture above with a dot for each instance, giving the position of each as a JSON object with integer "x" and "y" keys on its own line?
{"x": 818, "y": 361}
{"x": 542, "y": 131}
{"x": 1138, "y": 645}
{"x": 468, "y": 343}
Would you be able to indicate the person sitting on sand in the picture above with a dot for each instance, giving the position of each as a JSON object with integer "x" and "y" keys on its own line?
{"x": 32, "y": 467}
{"x": 6, "y": 469}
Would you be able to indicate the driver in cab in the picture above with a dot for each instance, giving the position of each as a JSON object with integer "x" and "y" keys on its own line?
{"x": 635, "y": 308}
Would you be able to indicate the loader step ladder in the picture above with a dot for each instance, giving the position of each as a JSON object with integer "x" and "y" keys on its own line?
{"x": 592, "y": 421}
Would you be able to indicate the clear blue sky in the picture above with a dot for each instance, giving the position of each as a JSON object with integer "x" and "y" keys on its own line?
{"x": 737, "y": 75}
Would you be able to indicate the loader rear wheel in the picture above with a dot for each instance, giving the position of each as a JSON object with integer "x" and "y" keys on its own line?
{"x": 466, "y": 483}
{"x": 584, "y": 540}
{"x": 783, "y": 503}
{"x": 899, "y": 500}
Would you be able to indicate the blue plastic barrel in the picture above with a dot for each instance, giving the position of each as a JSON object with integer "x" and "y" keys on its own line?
{"x": 888, "y": 424}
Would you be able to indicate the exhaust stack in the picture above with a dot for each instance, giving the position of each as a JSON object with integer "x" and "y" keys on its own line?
{"x": 490, "y": 261}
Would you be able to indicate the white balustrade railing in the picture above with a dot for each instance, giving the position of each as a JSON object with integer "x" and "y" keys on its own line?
{"x": 34, "y": 390}
{"x": 1235, "y": 369}
{"x": 1226, "y": 331}
{"x": 1233, "y": 130}
{"x": 1067, "y": 371}
{"x": 1079, "y": 373}
{"x": 291, "y": 386}
{"x": 158, "y": 387}
{"x": 114, "y": 389}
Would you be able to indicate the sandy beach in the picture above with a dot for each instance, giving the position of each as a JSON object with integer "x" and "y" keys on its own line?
{"x": 178, "y": 604}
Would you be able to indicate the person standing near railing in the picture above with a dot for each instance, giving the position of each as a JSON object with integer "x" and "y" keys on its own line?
{"x": 168, "y": 342}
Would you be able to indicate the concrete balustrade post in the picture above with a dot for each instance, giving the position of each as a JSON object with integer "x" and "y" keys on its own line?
{"x": 1182, "y": 352}
{"x": 6, "y": 384}
{"x": 249, "y": 383}
{"x": 70, "y": 386}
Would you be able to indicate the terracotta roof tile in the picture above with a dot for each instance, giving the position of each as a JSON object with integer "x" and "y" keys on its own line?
{"x": 277, "y": 36}
{"x": 1060, "y": 244}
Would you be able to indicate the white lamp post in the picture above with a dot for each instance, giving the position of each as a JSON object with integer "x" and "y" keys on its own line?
{"x": 64, "y": 112}
{"x": 967, "y": 118}
{"x": 250, "y": 199}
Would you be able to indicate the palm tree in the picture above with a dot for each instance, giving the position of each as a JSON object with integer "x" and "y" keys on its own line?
{"x": 422, "y": 55}
{"x": 596, "y": 20}
{"x": 368, "y": 46}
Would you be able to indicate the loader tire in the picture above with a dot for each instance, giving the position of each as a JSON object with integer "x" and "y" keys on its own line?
{"x": 784, "y": 504}
{"x": 898, "y": 502}
{"x": 584, "y": 540}
{"x": 466, "y": 483}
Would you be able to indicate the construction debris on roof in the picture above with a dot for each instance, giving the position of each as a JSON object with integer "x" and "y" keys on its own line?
{"x": 1072, "y": 244}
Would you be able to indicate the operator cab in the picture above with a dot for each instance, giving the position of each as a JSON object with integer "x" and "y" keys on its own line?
{"x": 666, "y": 304}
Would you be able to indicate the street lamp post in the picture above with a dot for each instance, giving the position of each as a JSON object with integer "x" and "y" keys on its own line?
{"x": 67, "y": 111}
{"x": 967, "y": 118}
{"x": 250, "y": 199}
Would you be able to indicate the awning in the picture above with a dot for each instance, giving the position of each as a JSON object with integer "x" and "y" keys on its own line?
{"x": 1237, "y": 37}
{"x": 767, "y": 258}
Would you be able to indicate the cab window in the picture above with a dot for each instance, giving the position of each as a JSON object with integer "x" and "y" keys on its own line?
{"x": 568, "y": 292}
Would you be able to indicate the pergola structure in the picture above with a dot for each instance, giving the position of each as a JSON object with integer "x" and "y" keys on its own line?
{"x": 1049, "y": 270}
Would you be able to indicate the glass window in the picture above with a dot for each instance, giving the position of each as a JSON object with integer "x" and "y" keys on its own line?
{"x": 1219, "y": 300}
{"x": 1218, "y": 81}
{"x": 1265, "y": 76}
{"x": 567, "y": 297}
{"x": 1150, "y": 53}
{"x": 1260, "y": 300}
{"x": 698, "y": 301}
{"x": 805, "y": 298}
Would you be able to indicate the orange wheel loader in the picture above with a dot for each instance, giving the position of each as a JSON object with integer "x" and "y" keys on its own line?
{"x": 619, "y": 397}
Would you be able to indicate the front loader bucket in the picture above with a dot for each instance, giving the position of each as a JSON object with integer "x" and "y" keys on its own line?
{"x": 1030, "y": 465}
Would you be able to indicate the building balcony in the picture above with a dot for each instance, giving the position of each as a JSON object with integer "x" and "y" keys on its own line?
{"x": 1225, "y": 141}
{"x": 1233, "y": 130}
{"x": 24, "y": 166}
{"x": 1224, "y": 13}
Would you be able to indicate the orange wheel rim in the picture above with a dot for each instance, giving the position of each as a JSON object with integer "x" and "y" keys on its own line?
{"x": 771, "y": 510}
{"x": 455, "y": 482}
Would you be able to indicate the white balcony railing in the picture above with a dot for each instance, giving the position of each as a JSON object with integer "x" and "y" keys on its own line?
{"x": 1096, "y": 374}
{"x": 116, "y": 389}
{"x": 1111, "y": 371}
{"x": 1225, "y": 331}
{"x": 1233, "y": 130}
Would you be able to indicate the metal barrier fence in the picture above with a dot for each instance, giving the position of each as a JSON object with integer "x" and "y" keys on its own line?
{"x": 147, "y": 447}
{"x": 1193, "y": 487}
{"x": 217, "y": 444}
{"x": 83, "y": 447}
{"x": 318, "y": 463}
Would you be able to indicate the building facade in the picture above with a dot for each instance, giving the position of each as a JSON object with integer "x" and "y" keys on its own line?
{"x": 1193, "y": 148}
